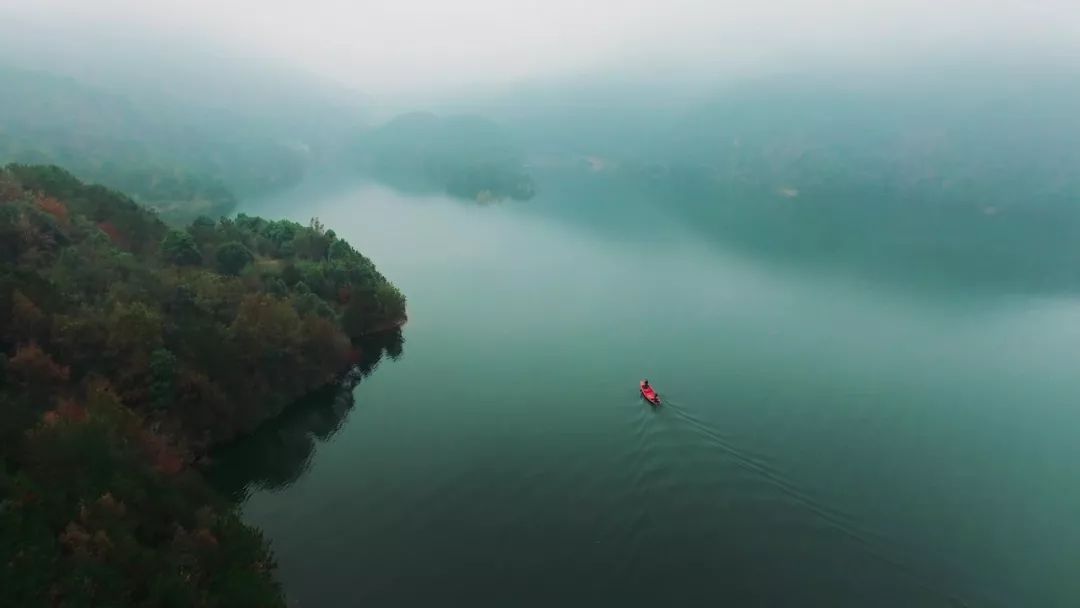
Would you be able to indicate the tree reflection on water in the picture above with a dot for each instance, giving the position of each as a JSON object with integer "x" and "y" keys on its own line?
{"x": 280, "y": 451}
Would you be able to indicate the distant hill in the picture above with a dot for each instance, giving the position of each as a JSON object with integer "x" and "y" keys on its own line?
{"x": 160, "y": 157}
{"x": 945, "y": 175}
{"x": 466, "y": 156}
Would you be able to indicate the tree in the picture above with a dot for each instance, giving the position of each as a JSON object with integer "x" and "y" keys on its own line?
{"x": 33, "y": 365}
{"x": 265, "y": 325}
{"x": 10, "y": 190}
{"x": 54, "y": 208}
{"x": 203, "y": 229}
{"x": 36, "y": 372}
{"x": 340, "y": 250}
{"x": 233, "y": 257}
{"x": 179, "y": 248}
{"x": 133, "y": 328}
{"x": 391, "y": 302}
{"x": 27, "y": 320}
{"x": 323, "y": 347}
{"x": 311, "y": 244}
{"x": 163, "y": 374}
{"x": 364, "y": 313}
{"x": 134, "y": 332}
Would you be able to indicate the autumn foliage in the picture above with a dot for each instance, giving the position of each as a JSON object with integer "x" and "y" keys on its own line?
{"x": 53, "y": 207}
{"x": 32, "y": 366}
{"x": 126, "y": 351}
{"x": 112, "y": 232}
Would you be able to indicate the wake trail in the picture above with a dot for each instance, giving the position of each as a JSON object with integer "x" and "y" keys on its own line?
{"x": 875, "y": 543}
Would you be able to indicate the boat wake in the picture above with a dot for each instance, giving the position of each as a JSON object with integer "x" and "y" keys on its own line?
{"x": 660, "y": 448}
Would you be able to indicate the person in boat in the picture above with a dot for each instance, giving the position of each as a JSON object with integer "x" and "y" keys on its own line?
{"x": 646, "y": 384}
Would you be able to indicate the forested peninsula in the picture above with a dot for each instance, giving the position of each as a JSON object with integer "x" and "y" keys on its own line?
{"x": 127, "y": 350}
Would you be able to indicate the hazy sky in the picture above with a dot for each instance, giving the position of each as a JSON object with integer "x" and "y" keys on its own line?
{"x": 413, "y": 46}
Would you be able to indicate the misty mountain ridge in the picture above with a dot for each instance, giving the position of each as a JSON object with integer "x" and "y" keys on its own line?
{"x": 957, "y": 158}
{"x": 161, "y": 158}
{"x": 467, "y": 156}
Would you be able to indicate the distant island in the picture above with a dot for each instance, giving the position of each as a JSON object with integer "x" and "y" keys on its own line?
{"x": 465, "y": 156}
{"x": 127, "y": 350}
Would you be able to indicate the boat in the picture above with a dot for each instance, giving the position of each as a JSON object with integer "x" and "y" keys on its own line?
{"x": 649, "y": 394}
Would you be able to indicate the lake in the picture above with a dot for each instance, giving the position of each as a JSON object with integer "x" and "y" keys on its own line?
{"x": 825, "y": 440}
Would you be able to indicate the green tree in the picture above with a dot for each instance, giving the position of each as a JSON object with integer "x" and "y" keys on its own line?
{"x": 232, "y": 258}
{"x": 265, "y": 325}
{"x": 203, "y": 229}
{"x": 179, "y": 248}
{"x": 391, "y": 302}
{"x": 133, "y": 328}
{"x": 163, "y": 375}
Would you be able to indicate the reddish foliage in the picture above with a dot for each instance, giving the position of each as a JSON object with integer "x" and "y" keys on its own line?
{"x": 110, "y": 505}
{"x": 102, "y": 543}
{"x": 355, "y": 355}
{"x": 206, "y": 538}
{"x": 71, "y": 411}
{"x": 344, "y": 294}
{"x": 163, "y": 457}
{"x": 34, "y": 366}
{"x": 113, "y": 233}
{"x": 168, "y": 463}
{"x": 74, "y": 537}
{"x": 53, "y": 207}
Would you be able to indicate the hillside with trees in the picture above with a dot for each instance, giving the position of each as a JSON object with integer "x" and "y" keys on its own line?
{"x": 465, "y": 156}
{"x": 127, "y": 350}
{"x": 179, "y": 162}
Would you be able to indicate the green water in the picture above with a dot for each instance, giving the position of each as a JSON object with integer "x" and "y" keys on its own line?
{"x": 826, "y": 439}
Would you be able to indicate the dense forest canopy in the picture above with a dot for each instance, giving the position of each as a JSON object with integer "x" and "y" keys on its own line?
{"x": 127, "y": 348}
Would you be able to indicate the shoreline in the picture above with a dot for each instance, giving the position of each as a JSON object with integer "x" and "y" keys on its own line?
{"x": 385, "y": 327}
{"x": 201, "y": 455}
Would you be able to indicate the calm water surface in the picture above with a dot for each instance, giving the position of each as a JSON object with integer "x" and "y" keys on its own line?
{"x": 825, "y": 441}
